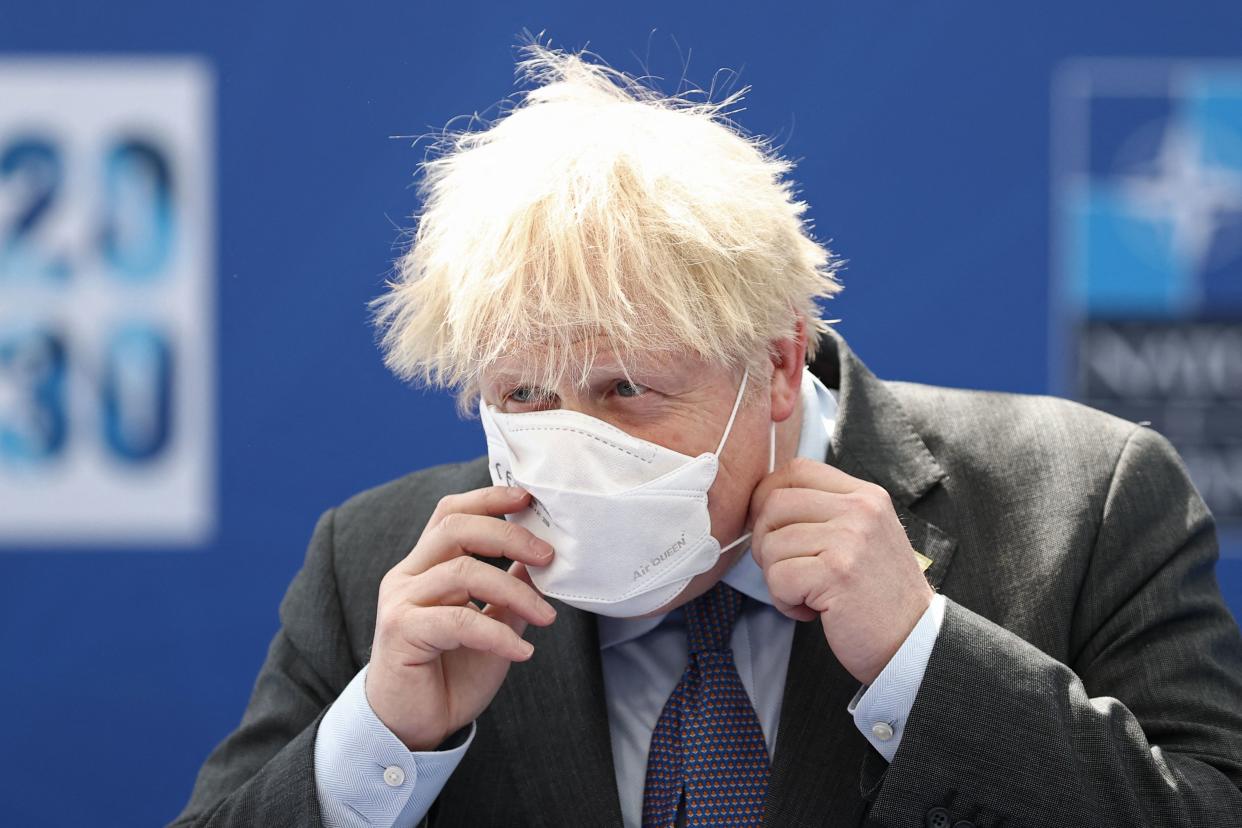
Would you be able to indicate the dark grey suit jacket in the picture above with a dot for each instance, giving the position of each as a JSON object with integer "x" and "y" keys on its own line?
{"x": 1087, "y": 671}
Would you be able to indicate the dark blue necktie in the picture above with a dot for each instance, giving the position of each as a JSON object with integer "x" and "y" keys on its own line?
{"x": 707, "y": 750}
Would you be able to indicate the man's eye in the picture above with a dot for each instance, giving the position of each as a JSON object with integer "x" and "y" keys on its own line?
{"x": 524, "y": 394}
{"x": 625, "y": 388}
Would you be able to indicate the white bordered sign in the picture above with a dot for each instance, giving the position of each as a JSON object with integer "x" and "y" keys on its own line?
{"x": 1147, "y": 255}
{"x": 107, "y": 302}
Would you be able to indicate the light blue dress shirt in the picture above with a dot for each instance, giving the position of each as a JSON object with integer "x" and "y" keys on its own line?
{"x": 365, "y": 776}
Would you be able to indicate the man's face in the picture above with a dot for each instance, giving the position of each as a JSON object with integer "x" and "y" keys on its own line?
{"x": 679, "y": 402}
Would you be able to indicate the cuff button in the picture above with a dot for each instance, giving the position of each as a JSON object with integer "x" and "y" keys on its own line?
{"x": 394, "y": 776}
{"x": 882, "y": 731}
{"x": 937, "y": 818}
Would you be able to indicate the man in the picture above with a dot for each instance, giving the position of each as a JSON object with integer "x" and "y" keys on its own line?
{"x": 726, "y": 588}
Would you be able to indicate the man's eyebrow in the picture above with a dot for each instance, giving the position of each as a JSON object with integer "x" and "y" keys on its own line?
{"x": 603, "y": 365}
{"x": 504, "y": 377}
{"x": 635, "y": 368}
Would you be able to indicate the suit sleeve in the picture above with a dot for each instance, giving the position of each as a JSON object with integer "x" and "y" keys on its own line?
{"x": 263, "y": 772}
{"x": 1142, "y": 727}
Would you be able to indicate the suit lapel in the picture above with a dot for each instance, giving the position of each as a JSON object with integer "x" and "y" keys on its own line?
{"x": 874, "y": 440}
{"x": 551, "y": 713}
{"x": 824, "y": 770}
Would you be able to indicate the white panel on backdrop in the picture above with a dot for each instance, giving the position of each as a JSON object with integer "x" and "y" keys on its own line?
{"x": 107, "y": 302}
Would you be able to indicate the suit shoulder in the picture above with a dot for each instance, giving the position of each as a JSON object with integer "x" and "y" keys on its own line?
{"x": 1004, "y": 410}
{"x": 396, "y": 497}
{"x": 376, "y": 527}
{"x": 1020, "y": 431}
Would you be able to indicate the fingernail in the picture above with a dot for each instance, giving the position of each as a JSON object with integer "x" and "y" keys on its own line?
{"x": 514, "y": 491}
{"x": 547, "y": 609}
{"x": 541, "y": 548}
{"x": 527, "y": 648}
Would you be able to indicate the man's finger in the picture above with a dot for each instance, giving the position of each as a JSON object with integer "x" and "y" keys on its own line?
{"x": 489, "y": 500}
{"x": 459, "y": 533}
{"x": 465, "y": 578}
{"x": 504, "y": 615}
{"x": 803, "y": 473}
{"x": 787, "y": 506}
{"x": 798, "y": 540}
{"x": 793, "y": 581}
{"x": 450, "y": 628}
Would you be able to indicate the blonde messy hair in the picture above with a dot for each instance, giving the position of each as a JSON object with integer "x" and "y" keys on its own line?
{"x": 599, "y": 206}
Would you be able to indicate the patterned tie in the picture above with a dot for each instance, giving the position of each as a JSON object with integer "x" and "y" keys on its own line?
{"x": 707, "y": 745}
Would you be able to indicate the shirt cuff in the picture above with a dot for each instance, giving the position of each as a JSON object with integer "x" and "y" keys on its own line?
{"x": 880, "y": 709}
{"x": 365, "y": 775}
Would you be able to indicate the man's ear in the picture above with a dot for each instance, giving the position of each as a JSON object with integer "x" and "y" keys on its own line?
{"x": 788, "y": 356}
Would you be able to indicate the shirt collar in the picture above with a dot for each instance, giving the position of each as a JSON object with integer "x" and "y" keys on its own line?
{"x": 819, "y": 415}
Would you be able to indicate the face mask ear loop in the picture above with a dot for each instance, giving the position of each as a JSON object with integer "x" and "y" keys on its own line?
{"x": 733, "y": 414}
{"x": 742, "y": 539}
{"x": 771, "y": 450}
{"x": 771, "y": 468}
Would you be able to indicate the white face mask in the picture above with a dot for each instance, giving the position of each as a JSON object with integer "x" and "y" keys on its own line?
{"x": 627, "y": 517}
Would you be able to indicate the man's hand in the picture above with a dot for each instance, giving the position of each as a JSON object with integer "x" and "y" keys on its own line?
{"x": 437, "y": 659}
{"x": 831, "y": 545}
